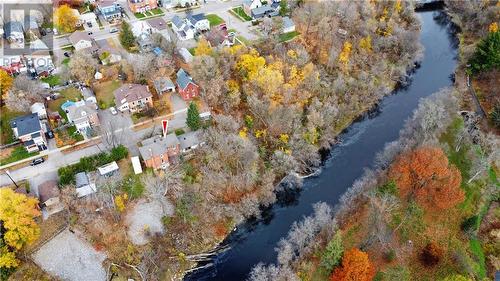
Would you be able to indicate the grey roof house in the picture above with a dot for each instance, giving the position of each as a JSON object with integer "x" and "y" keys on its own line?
{"x": 13, "y": 32}
{"x": 160, "y": 152}
{"x": 163, "y": 85}
{"x": 189, "y": 141}
{"x": 29, "y": 130}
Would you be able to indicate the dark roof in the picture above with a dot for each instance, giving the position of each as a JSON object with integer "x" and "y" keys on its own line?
{"x": 81, "y": 179}
{"x": 26, "y": 124}
{"x": 48, "y": 190}
{"x": 261, "y": 11}
{"x": 196, "y": 18}
{"x": 188, "y": 140}
{"x": 28, "y": 143}
{"x": 12, "y": 26}
{"x": 176, "y": 20}
{"x": 155, "y": 146}
{"x": 157, "y": 23}
{"x": 131, "y": 92}
{"x": 183, "y": 79}
{"x": 35, "y": 135}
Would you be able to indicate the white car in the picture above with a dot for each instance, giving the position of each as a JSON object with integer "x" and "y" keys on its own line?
{"x": 113, "y": 30}
{"x": 113, "y": 110}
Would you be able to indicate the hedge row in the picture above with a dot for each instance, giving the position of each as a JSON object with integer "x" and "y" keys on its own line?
{"x": 90, "y": 163}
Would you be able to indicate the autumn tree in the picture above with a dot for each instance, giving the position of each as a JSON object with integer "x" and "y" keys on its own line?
{"x": 83, "y": 67}
{"x": 17, "y": 213}
{"x": 431, "y": 254}
{"x": 426, "y": 176}
{"x": 65, "y": 19}
{"x": 5, "y": 83}
{"x": 356, "y": 266}
{"x": 203, "y": 48}
{"x": 126, "y": 36}
{"x": 24, "y": 93}
{"x": 193, "y": 120}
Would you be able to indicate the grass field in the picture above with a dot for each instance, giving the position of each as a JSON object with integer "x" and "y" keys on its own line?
{"x": 288, "y": 36}
{"x": 5, "y": 116}
{"x": 104, "y": 93}
{"x": 72, "y": 94}
{"x": 53, "y": 80}
{"x": 214, "y": 20}
{"x": 17, "y": 154}
{"x": 241, "y": 14}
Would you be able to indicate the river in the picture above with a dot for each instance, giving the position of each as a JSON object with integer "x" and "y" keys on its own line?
{"x": 254, "y": 241}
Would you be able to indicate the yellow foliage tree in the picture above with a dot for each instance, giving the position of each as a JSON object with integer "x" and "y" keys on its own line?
{"x": 17, "y": 213}
{"x": 120, "y": 202}
{"x": 203, "y": 48}
{"x": 493, "y": 27}
{"x": 284, "y": 138}
{"x": 249, "y": 64}
{"x": 397, "y": 6}
{"x": 269, "y": 80}
{"x": 65, "y": 19}
{"x": 243, "y": 133}
{"x": 345, "y": 54}
{"x": 366, "y": 43}
{"x": 5, "y": 83}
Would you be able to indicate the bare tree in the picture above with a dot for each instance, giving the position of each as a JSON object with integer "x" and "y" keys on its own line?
{"x": 143, "y": 66}
{"x": 24, "y": 93}
{"x": 83, "y": 66}
{"x": 113, "y": 133}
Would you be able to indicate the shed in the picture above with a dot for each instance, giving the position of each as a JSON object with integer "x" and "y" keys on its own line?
{"x": 186, "y": 55}
{"x": 108, "y": 169}
{"x": 136, "y": 164}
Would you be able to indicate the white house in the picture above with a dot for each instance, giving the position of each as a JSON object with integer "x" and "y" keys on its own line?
{"x": 83, "y": 115}
{"x": 288, "y": 25}
{"x": 39, "y": 109}
{"x": 141, "y": 27}
{"x": 199, "y": 21}
{"x": 186, "y": 55}
{"x": 183, "y": 30}
{"x": 249, "y": 5}
{"x": 89, "y": 21}
{"x": 80, "y": 40}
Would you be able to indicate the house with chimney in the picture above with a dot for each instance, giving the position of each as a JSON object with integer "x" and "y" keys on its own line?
{"x": 30, "y": 131}
{"x": 82, "y": 41}
{"x": 83, "y": 115}
{"x": 160, "y": 152}
{"x": 133, "y": 97}
{"x": 186, "y": 86}
{"x": 142, "y": 6}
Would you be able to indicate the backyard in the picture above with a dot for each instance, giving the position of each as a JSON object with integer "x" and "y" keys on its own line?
{"x": 71, "y": 93}
{"x": 53, "y": 80}
{"x": 288, "y": 36}
{"x": 104, "y": 93}
{"x": 6, "y": 115}
{"x": 17, "y": 154}
{"x": 214, "y": 20}
{"x": 240, "y": 13}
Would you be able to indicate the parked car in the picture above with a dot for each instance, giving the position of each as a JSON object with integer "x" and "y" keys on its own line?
{"x": 113, "y": 30}
{"x": 50, "y": 134}
{"x": 37, "y": 161}
{"x": 90, "y": 33}
{"x": 113, "y": 110}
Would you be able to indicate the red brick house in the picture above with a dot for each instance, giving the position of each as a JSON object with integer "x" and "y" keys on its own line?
{"x": 186, "y": 86}
{"x": 158, "y": 152}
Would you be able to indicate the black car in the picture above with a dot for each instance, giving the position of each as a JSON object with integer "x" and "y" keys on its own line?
{"x": 37, "y": 161}
{"x": 50, "y": 134}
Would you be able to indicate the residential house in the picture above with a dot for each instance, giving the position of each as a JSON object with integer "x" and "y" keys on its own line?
{"x": 84, "y": 185}
{"x": 88, "y": 95}
{"x": 145, "y": 43}
{"x": 159, "y": 25}
{"x": 186, "y": 86}
{"x": 82, "y": 41}
{"x": 219, "y": 37}
{"x": 142, "y": 6}
{"x": 48, "y": 194}
{"x": 89, "y": 21}
{"x": 160, "y": 152}
{"x": 133, "y": 97}
{"x": 163, "y": 85}
{"x": 39, "y": 109}
{"x": 31, "y": 28}
{"x": 186, "y": 55}
{"x": 108, "y": 54}
{"x": 30, "y": 131}
{"x": 264, "y": 11}
{"x": 249, "y": 5}
{"x": 199, "y": 21}
{"x": 13, "y": 32}
{"x": 288, "y": 25}
{"x": 178, "y": 3}
{"x": 141, "y": 27}
{"x": 183, "y": 30}
{"x": 109, "y": 9}
{"x": 83, "y": 115}
{"x": 189, "y": 141}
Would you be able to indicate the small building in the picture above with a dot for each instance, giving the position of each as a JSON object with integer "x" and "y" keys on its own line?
{"x": 141, "y": 27}
{"x": 84, "y": 116}
{"x": 30, "y": 131}
{"x": 219, "y": 37}
{"x": 89, "y": 21}
{"x": 249, "y": 5}
{"x": 48, "y": 193}
{"x": 39, "y": 109}
{"x": 186, "y": 55}
{"x": 83, "y": 185}
{"x": 264, "y": 11}
{"x": 288, "y": 25}
{"x": 88, "y": 95}
{"x": 189, "y": 141}
{"x": 109, "y": 9}
{"x": 136, "y": 164}
{"x": 199, "y": 21}
{"x": 159, "y": 25}
{"x": 183, "y": 30}
{"x": 108, "y": 169}
{"x": 108, "y": 54}
{"x": 82, "y": 41}
{"x": 186, "y": 86}
{"x": 163, "y": 85}
{"x": 142, "y": 6}
{"x": 133, "y": 97}
{"x": 160, "y": 152}
{"x": 145, "y": 43}
{"x": 14, "y": 33}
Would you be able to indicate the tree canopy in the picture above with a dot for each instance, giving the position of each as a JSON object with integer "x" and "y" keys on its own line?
{"x": 356, "y": 266}
{"x": 65, "y": 19}
{"x": 126, "y": 36}
{"x": 193, "y": 117}
{"x": 487, "y": 54}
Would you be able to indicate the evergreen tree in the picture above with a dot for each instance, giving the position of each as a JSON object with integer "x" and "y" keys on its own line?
{"x": 487, "y": 54}
{"x": 126, "y": 36}
{"x": 193, "y": 117}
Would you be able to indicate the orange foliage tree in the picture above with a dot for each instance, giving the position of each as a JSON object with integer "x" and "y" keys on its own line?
{"x": 356, "y": 266}
{"x": 426, "y": 176}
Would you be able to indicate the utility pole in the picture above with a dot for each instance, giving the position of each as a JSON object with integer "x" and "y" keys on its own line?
{"x": 8, "y": 174}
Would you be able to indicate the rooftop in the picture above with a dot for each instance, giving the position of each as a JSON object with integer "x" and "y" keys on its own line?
{"x": 189, "y": 140}
{"x": 157, "y": 23}
{"x": 157, "y": 145}
{"x": 26, "y": 124}
{"x": 48, "y": 190}
{"x": 130, "y": 93}
{"x": 80, "y": 109}
{"x": 183, "y": 79}
{"x": 196, "y": 18}
{"x": 177, "y": 21}
{"x": 77, "y": 36}
{"x": 163, "y": 84}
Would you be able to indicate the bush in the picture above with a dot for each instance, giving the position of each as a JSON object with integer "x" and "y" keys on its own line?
{"x": 431, "y": 255}
{"x": 388, "y": 188}
{"x": 179, "y": 132}
{"x": 390, "y": 256}
{"x": 470, "y": 225}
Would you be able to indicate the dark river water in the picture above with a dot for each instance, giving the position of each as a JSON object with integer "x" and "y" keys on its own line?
{"x": 254, "y": 241}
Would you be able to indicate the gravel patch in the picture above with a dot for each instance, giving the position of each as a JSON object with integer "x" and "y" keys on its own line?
{"x": 146, "y": 217}
{"x": 69, "y": 258}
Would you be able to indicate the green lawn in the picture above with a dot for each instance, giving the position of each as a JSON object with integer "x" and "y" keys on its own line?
{"x": 73, "y": 133}
{"x": 191, "y": 50}
{"x": 6, "y": 115}
{"x": 241, "y": 14}
{"x": 17, "y": 154}
{"x": 104, "y": 93}
{"x": 214, "y": 20}
{"x": 53, "y": 80}
{"x": 71, "y": 93}
{"x": 157, "y": 11}
{"x": 288, "y": 36}
{"x": 139, "y": 15}
{"x": 65, "y": 61}
{"x": 154, "y": 12}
